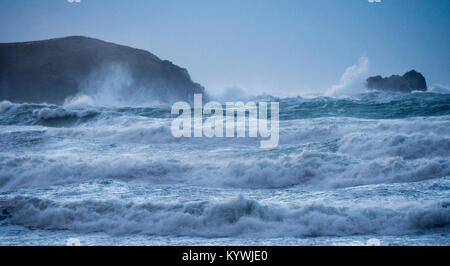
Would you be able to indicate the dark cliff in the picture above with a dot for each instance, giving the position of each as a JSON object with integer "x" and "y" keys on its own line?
{"x": 51, "y": 70}
{"x": 410, "y": 81}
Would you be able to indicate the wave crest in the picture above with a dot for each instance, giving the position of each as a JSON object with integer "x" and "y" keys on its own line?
{"x": 240, "y": 217}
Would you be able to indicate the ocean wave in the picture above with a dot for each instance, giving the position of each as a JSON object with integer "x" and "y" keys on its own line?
{"x": 5, "y": 106}
{"x": 44, "y": 171}
{"x": 47, "y": 113}
{"x": 405, "y": 146}
{"x": 324, "y": 152}
{"x": 438, "y": 88}
{"x": 43, "y": 114}
{"x": 316, "y": 170}
{"x": 323, "y": 170}
{"x": 391, "y": 134}
{"x": 239, "y": 217}
{"x": 139, "y": 133}
{"x": 373, "y": 105}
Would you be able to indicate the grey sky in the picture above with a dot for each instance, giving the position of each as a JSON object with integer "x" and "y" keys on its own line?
{"x": 281, "y": 47}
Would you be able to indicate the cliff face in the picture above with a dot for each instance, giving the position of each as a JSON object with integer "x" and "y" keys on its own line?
{"x": 51, "y": 70}
{"x": 410, "y": 81}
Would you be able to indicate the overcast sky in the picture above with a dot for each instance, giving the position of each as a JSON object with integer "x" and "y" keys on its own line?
{"x": 282, "y": 47}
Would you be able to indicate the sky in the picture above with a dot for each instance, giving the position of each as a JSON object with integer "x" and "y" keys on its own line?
{"x": 280, "y": 47}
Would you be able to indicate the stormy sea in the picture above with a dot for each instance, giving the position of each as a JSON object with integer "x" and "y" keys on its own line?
{"x": 373, "y": 168}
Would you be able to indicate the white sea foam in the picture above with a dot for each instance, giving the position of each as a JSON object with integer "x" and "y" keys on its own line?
{"x": 5, "y": 106}
{"x": 318, "y": 153}
{"x": 240, "y": 217}
{"x": 385, "y": 176}
{"x": 438, "y": 88}
{"x": 406, "y": 146}
{"x": 352, "y": 80}
{"x": 312, "y": 169}
{"x": 47, "y": 113}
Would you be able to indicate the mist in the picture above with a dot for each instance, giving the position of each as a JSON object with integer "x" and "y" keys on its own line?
{"x": 112, "y": 85}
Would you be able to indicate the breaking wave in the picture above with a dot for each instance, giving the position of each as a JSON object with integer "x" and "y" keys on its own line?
{"x": 240, "y": 217}
{"x": 326, "y": 144}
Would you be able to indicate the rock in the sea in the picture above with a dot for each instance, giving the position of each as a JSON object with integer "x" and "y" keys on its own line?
{"x": 51, "y": 70}
{"x": 410, "y": 81}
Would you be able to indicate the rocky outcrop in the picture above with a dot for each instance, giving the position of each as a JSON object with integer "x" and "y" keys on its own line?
{"x": 410, "y": 81}
{"x": 51, "y": 70}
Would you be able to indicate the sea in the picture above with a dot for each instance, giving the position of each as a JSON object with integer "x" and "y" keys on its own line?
{"x": 371, "y": 169}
